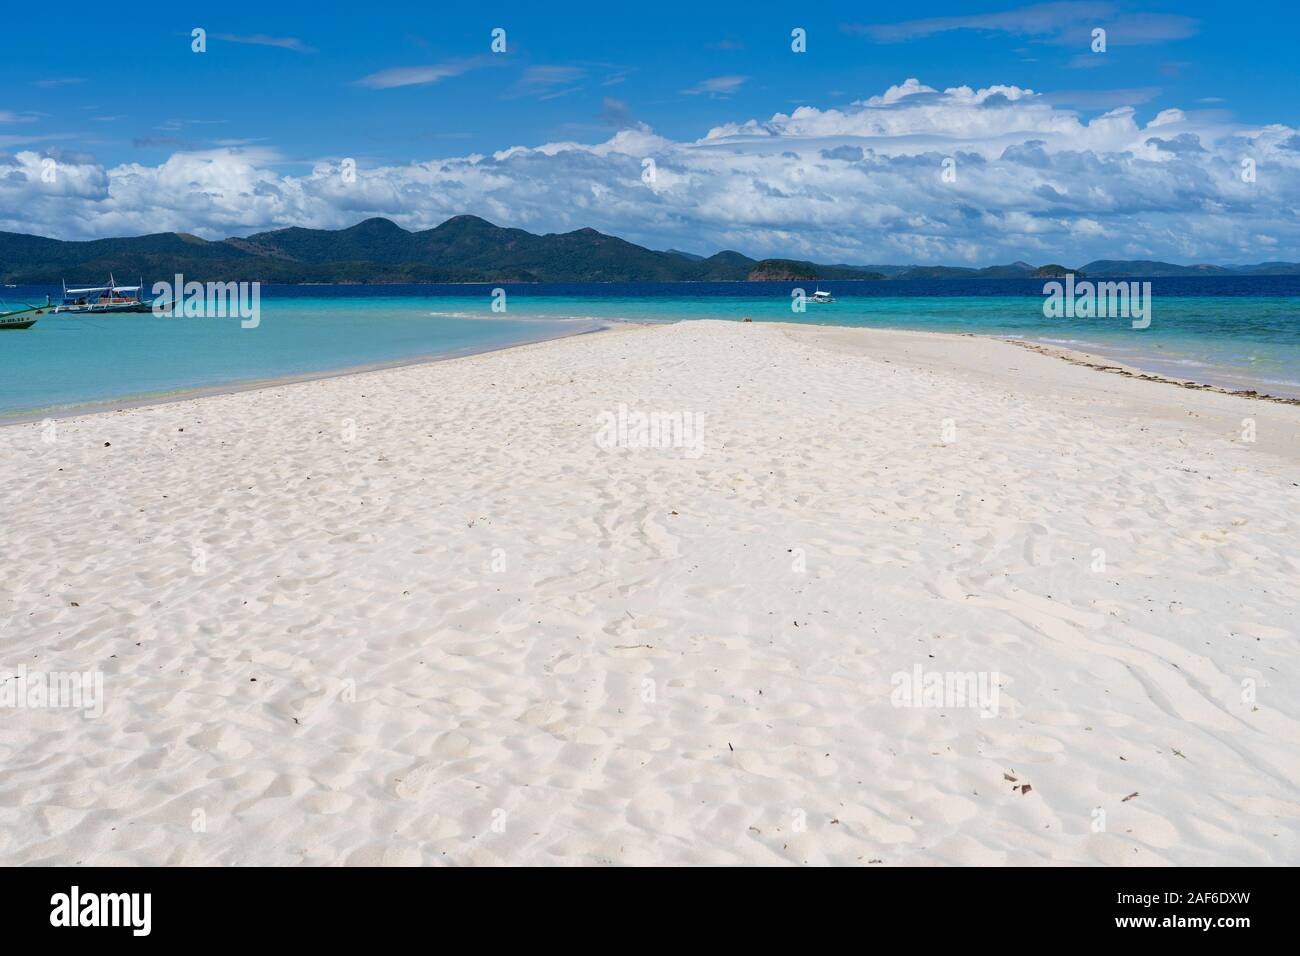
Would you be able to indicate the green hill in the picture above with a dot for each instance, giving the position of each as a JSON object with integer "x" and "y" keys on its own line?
{"x": 1148, "y": 267}
{"x": 1055, "y": 271}
{"x": 470, "y": 249}
{"x": 462, "y": 249}
{"x": 790, "y": 270}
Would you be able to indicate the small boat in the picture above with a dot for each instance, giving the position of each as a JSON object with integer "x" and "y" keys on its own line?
{"x": 23, "y": 318}
{"x": 103, "y": 298}
{"x": 820, "y": 297}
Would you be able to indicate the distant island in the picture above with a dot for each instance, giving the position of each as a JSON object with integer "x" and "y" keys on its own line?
{"x": 797, "y": 270}
{"x": 470, "y": 249}
{"x": 1054, "y": 271}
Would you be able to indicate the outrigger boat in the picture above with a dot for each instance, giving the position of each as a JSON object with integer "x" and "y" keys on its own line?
{"x": 23, "y": 318}
{"x": 103, "y": 298}
{"x": 820, "y": 297}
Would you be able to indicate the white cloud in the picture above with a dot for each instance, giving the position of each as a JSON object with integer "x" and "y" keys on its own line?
{"x": 909, "y": 87}
{"x": 1064, "y": 21}
{"x": 415, "y": 75}
{"x": 717, "y": 86}
{"x": 1034, "y": 180}
{"x": 547, "y": 82}
{"x": 262, "y": 39}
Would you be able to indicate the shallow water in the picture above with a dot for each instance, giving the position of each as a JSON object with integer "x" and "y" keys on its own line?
{"x": 69, "y": 360}
{"x": 1238, "y": 332}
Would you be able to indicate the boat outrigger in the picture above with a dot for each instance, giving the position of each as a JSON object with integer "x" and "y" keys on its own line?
{"x": 23, "y": 318}
{"x": 103, "y": 298}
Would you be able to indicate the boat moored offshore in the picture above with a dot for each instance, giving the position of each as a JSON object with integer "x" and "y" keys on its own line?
{"x": 103, "y": 298}
{"x": 22, "y": 318}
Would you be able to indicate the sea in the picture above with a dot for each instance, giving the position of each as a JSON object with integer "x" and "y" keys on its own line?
{"x": 1240, "y": 332}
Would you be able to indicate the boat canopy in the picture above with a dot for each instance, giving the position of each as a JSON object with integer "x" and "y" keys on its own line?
{"x": 103, "y": 288}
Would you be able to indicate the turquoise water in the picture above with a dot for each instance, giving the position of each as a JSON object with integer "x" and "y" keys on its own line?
{"x": 67, "y": 360}
{"x": 1238, "y": 340}
{"x": 1232, "y": 341}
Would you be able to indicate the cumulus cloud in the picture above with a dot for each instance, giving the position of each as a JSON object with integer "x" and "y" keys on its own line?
{"x": 1034, "y": 180}
{"x": 1102, "y": 99}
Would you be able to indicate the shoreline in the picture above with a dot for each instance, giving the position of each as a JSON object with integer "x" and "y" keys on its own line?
{"x": 127, "y": 403}
{"x": 1101, "y": 363}
{"x": 1104, "y": 363}
{"x": 1055, "y": 377}
{"x": 1078, "y": 357}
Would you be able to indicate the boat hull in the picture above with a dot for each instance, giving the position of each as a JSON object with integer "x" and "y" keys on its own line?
{"x": 21, "y": 318}
{"x": 101, "y": 310}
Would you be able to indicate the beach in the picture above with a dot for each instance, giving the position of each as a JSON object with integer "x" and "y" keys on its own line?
{"x": 661, "y": 595}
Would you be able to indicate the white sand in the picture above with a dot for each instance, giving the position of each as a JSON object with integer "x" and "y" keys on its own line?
{"x": 474, "y": 635}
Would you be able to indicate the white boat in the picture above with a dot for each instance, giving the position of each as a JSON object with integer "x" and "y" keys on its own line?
{"x": 103, "y": 298}
{"x": 23, "y": 318}
{"x": 820, "y": 297}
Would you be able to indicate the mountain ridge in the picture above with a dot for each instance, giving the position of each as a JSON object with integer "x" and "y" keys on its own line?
{"x": 467, "y": 248}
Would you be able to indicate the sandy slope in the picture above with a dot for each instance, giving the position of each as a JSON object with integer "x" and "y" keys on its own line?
{"x": 473, "y": 635}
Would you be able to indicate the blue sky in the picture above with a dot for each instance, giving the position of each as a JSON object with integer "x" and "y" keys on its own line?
{"x": 246, "y": 135}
